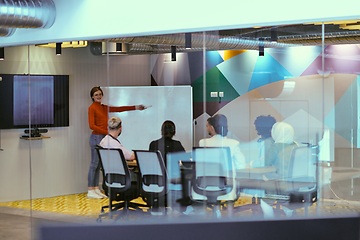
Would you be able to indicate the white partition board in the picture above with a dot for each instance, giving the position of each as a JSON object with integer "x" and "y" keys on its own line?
{"x": 141, "y": 127}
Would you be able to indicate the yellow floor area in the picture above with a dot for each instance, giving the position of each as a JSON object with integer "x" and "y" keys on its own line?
{"x": 76, "y": 204}
{"x": 80, "y": 205}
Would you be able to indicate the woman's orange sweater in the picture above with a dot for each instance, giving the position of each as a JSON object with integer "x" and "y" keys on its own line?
{"x": 98, "y": 116}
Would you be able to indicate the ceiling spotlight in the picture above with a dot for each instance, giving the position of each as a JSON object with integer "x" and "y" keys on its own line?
{"x": 273, "y": 36}
{"x": 58, "y": 48}
{"x": 173, "y": 53}
{"x": 119, "y": 47}
{"x": 72, "y": 44}
{"x": 261, "y": 47}
{"x": 2, "y": 53}
{"x": 187, "y": 40}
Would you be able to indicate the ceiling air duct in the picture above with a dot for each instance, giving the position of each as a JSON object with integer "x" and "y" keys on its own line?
{"x": 25, "y": 14}
{"x": 114, "y": 48}
{"x": 162, "y": 44}
{"x": 5, "y": 32}
{"x": 111, "y": 48}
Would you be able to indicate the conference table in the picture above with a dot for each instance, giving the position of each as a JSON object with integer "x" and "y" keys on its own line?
{"x": 131, "y": 163}
{"x": 342, "y": 173}
{"x": 256, "y": 177}
{"x": 265, "y": 177}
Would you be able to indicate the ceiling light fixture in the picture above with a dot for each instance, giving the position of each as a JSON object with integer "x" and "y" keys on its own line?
{"x": 187, "y": 40}
{"x": 2, "y": 53}
{"x": 119, "y": 47}
{"x": 73, "y": 44}
{"x": 273, "y": 35}
{"x": 261, "y": 47}
{"x": 58, "y": 48}
{"x": 350, "y": 26}
{"x": 343, "y": 24}
{"x": 173, "y": 53}
{"x": 354, "y": 21}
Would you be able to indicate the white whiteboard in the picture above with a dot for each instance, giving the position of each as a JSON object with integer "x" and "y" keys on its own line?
{"x": 141, "y": 127}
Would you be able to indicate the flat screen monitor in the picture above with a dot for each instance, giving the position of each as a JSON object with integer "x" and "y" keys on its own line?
{"x": 34, "y": 100}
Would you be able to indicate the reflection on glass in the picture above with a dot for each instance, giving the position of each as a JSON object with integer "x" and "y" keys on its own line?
{"x": 231, "y": 165}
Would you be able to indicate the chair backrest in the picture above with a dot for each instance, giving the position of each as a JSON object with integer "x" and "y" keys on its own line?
{"x": 173, "y": 159}
{"x": 152, "y": 171}
{"x": 213, "y": 161}
{"x": 115, "y": 169}
{"x": 214, "y": 176}
{"x": 302, "y": 166}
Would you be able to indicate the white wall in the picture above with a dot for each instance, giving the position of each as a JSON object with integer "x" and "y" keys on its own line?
{"x": 59, "y": 165}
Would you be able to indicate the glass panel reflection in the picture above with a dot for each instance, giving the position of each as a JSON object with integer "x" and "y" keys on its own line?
{"x": 248, "y": 123}
{"x": 340, "y": 166}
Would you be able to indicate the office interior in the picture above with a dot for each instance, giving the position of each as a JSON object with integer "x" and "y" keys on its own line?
{"x": 303, "y": 72}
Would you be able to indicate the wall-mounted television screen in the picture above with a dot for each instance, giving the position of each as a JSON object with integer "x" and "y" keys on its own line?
{"x": 36, "y": 100}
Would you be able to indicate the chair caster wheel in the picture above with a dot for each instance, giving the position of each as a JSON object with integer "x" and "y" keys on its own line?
{"x": 98, "y": 220}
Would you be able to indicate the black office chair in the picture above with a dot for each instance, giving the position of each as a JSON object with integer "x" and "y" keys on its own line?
{"x": 214, "y": 179}
{"x": 180, "y": 172}
{"x": 117, "y": 183}
{"x": 152, "y": 179}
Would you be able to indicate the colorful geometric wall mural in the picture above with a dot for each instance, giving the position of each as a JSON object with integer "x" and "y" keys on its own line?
{"x": 244, "y": 74}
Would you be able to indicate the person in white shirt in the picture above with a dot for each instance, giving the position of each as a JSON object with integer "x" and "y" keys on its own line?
{"x": 111, "y": 141}
{"x": 217, "y": 128}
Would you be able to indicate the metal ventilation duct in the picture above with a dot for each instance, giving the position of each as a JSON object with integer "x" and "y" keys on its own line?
{"x": 26, "y": 14}
{"x": 5, "y": 32}
{"x": 351, "y": 37}
{"x": 230, "y": 40}
{"x": 213, "y": 41}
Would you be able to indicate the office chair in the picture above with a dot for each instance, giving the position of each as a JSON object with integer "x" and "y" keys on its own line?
{"x": 301, "y": 184}
{"x": 299, "y": 188}
{"x": 179, "y": 180}
{"x": 117, "y": 183}
{"x": 152, "y": 179}
{"x": 213, "y": 182}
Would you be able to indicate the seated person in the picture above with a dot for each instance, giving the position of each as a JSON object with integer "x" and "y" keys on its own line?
{"x": 166, "y": 144}
{"x": 217, "y": 128}
{"x": 111, "y": 141}
{"x": 263, "y": 126}
{"x": 280, "y": 152}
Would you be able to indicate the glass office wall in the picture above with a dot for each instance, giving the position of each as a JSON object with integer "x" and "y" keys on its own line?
{"x": 284, "y": 94}
{"x": 340, "y": 71}
{"x": 258, "y": 84}
{"x": 15, "y": 152}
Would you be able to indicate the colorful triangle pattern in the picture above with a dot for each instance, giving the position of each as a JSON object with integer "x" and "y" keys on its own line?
{"x": 238, "y": 72}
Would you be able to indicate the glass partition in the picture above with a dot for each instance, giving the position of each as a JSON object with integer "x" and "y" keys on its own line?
{"x": 340, "y": 82}
{"x": 16, "y": 156}
{"x": 257, "y": 122}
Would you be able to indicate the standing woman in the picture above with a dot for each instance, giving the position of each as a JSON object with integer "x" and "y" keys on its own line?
{"x": 98, "y": 119}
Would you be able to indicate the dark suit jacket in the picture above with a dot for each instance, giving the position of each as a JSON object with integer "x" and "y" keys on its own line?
{"x": 166, "y": 145}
